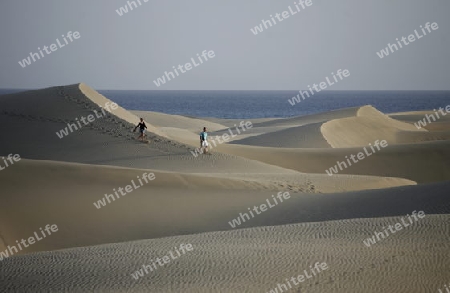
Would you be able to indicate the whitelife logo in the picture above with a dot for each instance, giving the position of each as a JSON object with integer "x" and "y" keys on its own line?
{"x": 411, "y": 38}
{"x": 132, "y": 4}
{"x": 262, "y": 208}
{"x": 124, "y": 191}
{"x": 300, "y": 6}
{"x": 244, "y": 125}
{"x": 10, "y": 250}
{"x": 90, "y": 119}
{"x": 184, "y": 68}
{"x": 398, "y": 227}
{"x": 53, "y": 47}
{"x": 435, "y": 116}
{"x": 323, "y": 85}
{"x": 361, "y": 156}
{"x": 296, "y": 280}
{"x": 11, "y": 159}
{"x": 162, "y": 261}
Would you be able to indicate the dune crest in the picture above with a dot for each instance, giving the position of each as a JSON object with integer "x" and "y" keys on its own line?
{"x": 120, "y": 112}
{"x": 368, "y": 126}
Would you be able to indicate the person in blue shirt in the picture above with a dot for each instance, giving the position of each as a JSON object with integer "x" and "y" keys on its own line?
{"x": 204, "y": 141}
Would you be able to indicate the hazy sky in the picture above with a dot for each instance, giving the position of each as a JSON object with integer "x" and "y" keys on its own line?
{"x": 130, "y": 51}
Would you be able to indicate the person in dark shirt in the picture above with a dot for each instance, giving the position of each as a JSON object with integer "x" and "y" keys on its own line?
{"x": 142, "y": 128}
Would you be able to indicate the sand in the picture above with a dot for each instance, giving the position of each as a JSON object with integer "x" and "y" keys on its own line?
{"x": 193, "y": 199}
{"x": 252, "y": 260}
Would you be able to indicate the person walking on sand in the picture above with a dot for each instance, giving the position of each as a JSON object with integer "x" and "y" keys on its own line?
{"x": 142, "y": 128}
{"x": 204, "y": 141}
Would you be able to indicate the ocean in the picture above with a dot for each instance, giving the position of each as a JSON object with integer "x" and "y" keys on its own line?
{"x": 264, "y": 104}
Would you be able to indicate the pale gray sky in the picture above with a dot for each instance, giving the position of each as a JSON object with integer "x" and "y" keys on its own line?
{"x": 130, "y": 51}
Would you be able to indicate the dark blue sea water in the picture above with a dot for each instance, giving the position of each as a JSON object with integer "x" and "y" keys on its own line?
{"x": 262, "y": 104}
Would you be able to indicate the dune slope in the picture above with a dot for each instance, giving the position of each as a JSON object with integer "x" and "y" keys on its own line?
{"x": 37, "y": 193}
{"x": 251, "y": 260}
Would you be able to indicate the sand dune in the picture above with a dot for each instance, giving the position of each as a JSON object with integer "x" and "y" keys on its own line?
{"x": 252, "y": 260}
{"x": 313, "y": 118}
{"x": 418, "y": 162}
{"x": 417, "y": 137}
{"x": 319, "y": 183}
{"x": 438, "y": 126}
{"x": 109, "y": 141}
{"x": 413, "y": 154}
{"x": 74, "y": 188}
{"x": 441, "y": 124}
{"x": 436, "y": 130}
{"x": 163, "y": 207}
{"x": 177, "y": 121}
{"x": 307, "y": 136}
{"x": 106, "y": 141}
{"x": 414, "y": 116}
{"x": 100, "y": 100}
{"x": 369, "y": 125}
{"x": 231, "y": 122}
{"x": 194, "y": 197}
